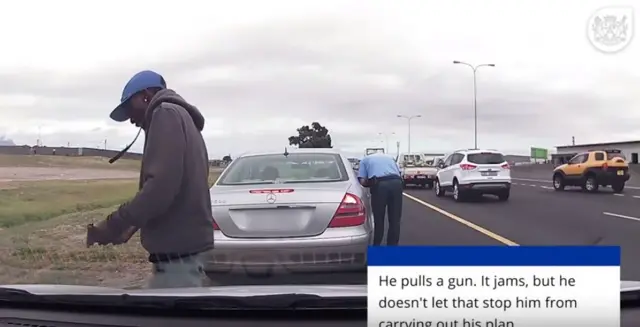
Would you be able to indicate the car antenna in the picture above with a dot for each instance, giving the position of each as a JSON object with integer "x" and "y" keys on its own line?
{"x": 286, "y": 153}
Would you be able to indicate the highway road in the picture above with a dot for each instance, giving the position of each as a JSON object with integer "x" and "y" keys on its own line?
{"x": 538, "y": 215}
{"x": 534, "y": 215}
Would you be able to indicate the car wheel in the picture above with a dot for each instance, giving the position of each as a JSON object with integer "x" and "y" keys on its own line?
{"x": 438, "y": 189}
{"x": 617, "y": 187}
{"x": 429, "y": 186}
{"x": 590, "y": 184}
{"x": 558, "y": 182}
{"x": 504, "y": 196}
{"x": 458, "y": 196}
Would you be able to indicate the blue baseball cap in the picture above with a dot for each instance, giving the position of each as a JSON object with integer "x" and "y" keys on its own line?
{"x": 139, "y": 82}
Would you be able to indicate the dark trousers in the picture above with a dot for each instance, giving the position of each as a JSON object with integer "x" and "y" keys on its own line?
{"x": 386, "y": 197}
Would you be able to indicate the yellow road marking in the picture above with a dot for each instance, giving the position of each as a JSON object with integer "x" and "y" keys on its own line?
{"x": 467, "y": 223}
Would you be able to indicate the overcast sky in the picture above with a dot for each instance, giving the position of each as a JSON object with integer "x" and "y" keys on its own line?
{"x": 260, "y": 69}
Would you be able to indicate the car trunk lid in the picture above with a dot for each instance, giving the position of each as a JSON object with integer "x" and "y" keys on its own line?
{"x": 276, "y": 210}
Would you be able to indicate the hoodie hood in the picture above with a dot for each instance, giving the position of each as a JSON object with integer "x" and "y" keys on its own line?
{"x": 170, "y": 96}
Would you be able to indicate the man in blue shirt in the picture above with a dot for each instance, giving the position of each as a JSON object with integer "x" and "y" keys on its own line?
{"x": 381, "y": 174}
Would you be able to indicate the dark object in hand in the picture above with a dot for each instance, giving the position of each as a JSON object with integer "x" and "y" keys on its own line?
{"x": 101, "y": 234}
{"x": 97, "y": 234}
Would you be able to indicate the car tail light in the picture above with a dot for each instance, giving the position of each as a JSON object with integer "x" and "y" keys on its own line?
{"x": 605, "y": 165}
{"x": 215, "y": 225}
{"x": 350, "y": 213}
{"x": 468, "y": 167}
{"x": 505, "y": 166}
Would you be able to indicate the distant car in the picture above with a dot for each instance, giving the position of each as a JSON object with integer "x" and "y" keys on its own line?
{"x": 299, "y": 211}
{"x": 474, "y": 172}
{"x": 593, "y": 169}
{"x": 422, "y": 175}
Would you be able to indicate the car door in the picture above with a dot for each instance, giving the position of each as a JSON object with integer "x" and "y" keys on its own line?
{"x": 445, "y": 175}
{"x": 575, "y": 166}
{"x": 455, "y": 165}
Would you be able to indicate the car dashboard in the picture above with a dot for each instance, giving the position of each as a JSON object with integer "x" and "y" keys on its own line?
{"x": 59, "y": 318}
{"x": 66, "y": 317}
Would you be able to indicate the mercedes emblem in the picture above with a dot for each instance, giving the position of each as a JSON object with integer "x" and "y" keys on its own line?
{"x": 271, "y": 198}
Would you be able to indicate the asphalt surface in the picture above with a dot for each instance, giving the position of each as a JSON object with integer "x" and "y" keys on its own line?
{"x": 534, "y": 215}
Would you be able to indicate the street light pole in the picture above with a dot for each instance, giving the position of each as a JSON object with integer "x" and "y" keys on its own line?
{"x": 475, "y": 96}
{"x": 386, "y": 137}
{"x": 408, "y": 118}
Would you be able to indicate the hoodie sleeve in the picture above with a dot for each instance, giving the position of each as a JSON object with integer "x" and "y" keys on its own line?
{"x": 164, "y": 161}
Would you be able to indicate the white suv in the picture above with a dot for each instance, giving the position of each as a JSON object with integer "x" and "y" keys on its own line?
{"x": 470, "y": 172}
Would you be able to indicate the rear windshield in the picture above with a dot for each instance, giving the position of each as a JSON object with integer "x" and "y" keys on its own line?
{"x": 277, "y": 168}
{"x": 611, "y": 155}
{"x": 486, "y": 158}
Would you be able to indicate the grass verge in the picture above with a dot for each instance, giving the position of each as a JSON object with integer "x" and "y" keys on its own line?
{"x": 7, "y": 160}
{"x": 52, "y": 250}
{"x": 24, "y": 202}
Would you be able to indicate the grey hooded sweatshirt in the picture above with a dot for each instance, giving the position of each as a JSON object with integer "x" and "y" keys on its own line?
{"x": 173, "y": 206}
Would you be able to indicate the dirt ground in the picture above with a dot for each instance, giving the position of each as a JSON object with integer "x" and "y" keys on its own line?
{"x": 10, "y": 174}
{"x": 52, "y": 251}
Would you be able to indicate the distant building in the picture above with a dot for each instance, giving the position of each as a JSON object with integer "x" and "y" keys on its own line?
{"x": 629, "y": 149}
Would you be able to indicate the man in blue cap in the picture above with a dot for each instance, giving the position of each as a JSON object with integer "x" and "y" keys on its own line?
{"x": 172, "y": 208}
{"x": 381, "y": 174}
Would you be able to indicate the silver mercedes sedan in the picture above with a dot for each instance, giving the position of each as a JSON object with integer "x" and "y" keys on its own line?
{"x": 299, "y": 210}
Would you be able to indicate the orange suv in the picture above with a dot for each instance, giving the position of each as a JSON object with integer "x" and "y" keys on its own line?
{"x": 593, "y": 169}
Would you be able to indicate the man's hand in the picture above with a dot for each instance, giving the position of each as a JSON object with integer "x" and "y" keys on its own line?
{"x": 98, "y": 234}
{"x": 103, "y": 233}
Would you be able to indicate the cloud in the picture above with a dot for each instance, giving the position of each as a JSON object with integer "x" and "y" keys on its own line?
{"x": 6, "y": 141}
{"x": 259, "y": 79}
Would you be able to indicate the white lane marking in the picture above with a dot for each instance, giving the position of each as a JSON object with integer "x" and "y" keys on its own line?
{"x": 543, "y": 181}
{"x": 530, "y": 180}
{"x": 551, "y": 188}
{"x": 621, "y": 216}
{"x": 465, "y": 222}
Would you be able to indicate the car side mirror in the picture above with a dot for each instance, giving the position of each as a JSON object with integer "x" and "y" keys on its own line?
{"x": 441, "y": 165}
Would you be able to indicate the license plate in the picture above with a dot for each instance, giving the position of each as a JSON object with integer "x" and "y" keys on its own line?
{"x": 620, "y": 172}
{"x": 421, "y": 177}
{"x": 489, "y": 173}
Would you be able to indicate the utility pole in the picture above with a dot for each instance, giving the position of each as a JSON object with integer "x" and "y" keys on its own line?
{"x": 409, "y": 118}
{"x": 475, "y": 96}
{"x": 573, "y": 140}
{"x": 39, "y": 141}
{"x": 386, "y": 138}
{"x": 105, "y": 144}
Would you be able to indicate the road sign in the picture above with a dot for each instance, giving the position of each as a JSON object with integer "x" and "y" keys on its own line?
{"x": 539, "y": 153}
